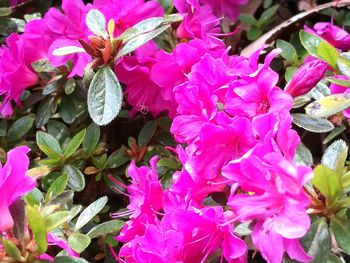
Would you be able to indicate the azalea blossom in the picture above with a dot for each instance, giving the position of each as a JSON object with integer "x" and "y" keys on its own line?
{"x": 14, "y": 183}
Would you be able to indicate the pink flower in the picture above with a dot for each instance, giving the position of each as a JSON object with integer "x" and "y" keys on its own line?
{"x": 336, "y": 36}
{"x": 16, "y": 73}
{"x": 65, "y": 29}
{"x": 306, "y": 77}
{"x": 127, "y": 13}
{"x": 229, "y": 8}
{"x": 198, "y": 22}
{"x": 142, "y": 92}
{"x": 13, "y": 183}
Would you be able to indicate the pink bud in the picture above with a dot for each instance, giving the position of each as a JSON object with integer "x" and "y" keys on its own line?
{"x": 306, "y": 77}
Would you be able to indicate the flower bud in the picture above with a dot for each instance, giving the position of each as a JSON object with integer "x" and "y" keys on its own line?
{"x": 306, "y": 77}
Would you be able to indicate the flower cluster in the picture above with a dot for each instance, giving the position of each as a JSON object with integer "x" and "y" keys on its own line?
{"x": 236, "y": 128}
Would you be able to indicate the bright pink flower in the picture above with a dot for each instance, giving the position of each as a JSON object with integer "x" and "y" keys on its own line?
{"x": 13, "y": 183}
{"x": 306, "y": 77}
{"x": 65, "y": 29}
{"x": 198, "y": 22}
{"x": 16, "y": 73}
{"x": 127, "y": 13}
{"x": 336, "y": 36}
{"x": 337, "y": 89}
{"x": 229, "y": 8}
{"x": 142, "y": 92}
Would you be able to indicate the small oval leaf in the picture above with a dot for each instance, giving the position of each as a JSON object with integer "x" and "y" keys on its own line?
{"x": 328, "y": 106}
{"x": 318, "y": 125}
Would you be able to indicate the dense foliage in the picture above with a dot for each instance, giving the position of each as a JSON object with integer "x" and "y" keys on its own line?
{"x": 174, "y": 131}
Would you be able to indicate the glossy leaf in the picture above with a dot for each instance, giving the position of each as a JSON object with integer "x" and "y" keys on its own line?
{"x": 317, "y": 125}
{"x": 68, "y": 110}
{"x": 303, "y": 155}
{"x": 104, "y": 96}
{"x": 109, "y": 227}
{"x": 20, "y": 127}
{"x": 74, "y": 144}
{"x": 343, "y": 62}
{"x": 147, "y": 133}
{"x": 56, "y": 219}
{"x": 48, "y": 144}
{"x": 288, "y": 51}
{"x": 57, "y": 186}
{"x": 341, "y": 230}
{"x": 91, "y": 138}
{"x": 335, "y": 156}
{"x": 76, "y": 179}
{"x": 89, "y": 212}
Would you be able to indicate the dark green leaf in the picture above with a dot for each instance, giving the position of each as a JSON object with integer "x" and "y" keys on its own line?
{"x": 76, "y": 179}
{"x": 20, "y": 127}
{"x": 104, "y": 96}
{"x": 117, "y": 158}
{"x": 58, "y": 130}
{"x": 42, "y": 65}
{"x": 147, "y": 133}
{"x": 109, "y": 227}
{"x": 332, "y": 135}
{"x": 267, "y": 16}
{"x": 67, "y": 259}
{"x": 317, "y": 241}
{"x": 341, "y": 230}
{"x": 68, "y": 110}
{"x": 62, "y": 199}
{"x": 57, "y": 187}
{"x": 46, "y": 108}
{"x": 70, "y": 86}
{"x": 34, "y": 197}
{"x": 74, "y": 144}
{"x": 48, "y": 144}
{"x": 303, "y": 155}
{"x": 317, "y": 125}
{"x": 247, "y": 19}
{"x": 89, "y": 212}
{"x": 253, "y": 33}
{"x": 91, "y": 138}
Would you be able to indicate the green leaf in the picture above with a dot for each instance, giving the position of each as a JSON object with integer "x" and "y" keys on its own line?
{"x": 243, "y": 229}
{"x": 328, "y": 106}
{"x": 91, "y": 138}
{"x": 327, "y": 181}
{"x": 3, "y": 128}
{"x": 343, "y": 62}
{"x": 334, "y": 259}
{"x": 140, "y": 40}
{"x": 76, "y": 179}
{"x": 335, "y": 156}
{"x": 68, "y": 109}
{"x": 67, "y": 50}
{"x": 267, "y": 16}
{"x": 67, "y": 259}
{"x": 56, "y": 219}
{"x": 57, "y": 187}
{"x": 74, "y": 144}
{"x": 290, "y": 71}
{"x": 89, "y": 212}
{"x": 70, "y": 86}
{"x": 142, "y": 27}
{"x": 317, "y": 125}
{"x": 336, "y": 131}
{"x": 46, "y": 108}
{"x": 147, "y": 133}
{"x": 104, "y": 96}
{"x": 12, "y": 250}
{"x": 288, "y": 51}
{"x": 117, "y": 158}
{"x": 247, "y": 19}
{"x": 253, "y": 33}
{"x": 62, "y": 199}
{"x": 328, "y": 53}
{"x": 303, "y": 156}
{"x": 96, "y": 22}
{"x": 37, "y": 225}
{"x": 5, "y": 11}
{"x": 42, "y": 65}
{"x": 317, "y": 241}
{"x": 341, "y": 230}
{"x": 319, "y": 48}
{"x": 340, "y": 82}
{"x": 79, "y": 242}
{"x": 34, "y": 197}
{"x": 58, "y": 130}
{"x": 20, "y": 127}
{"x": 109, "y": 227}
{"x": 48, "y": 144}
